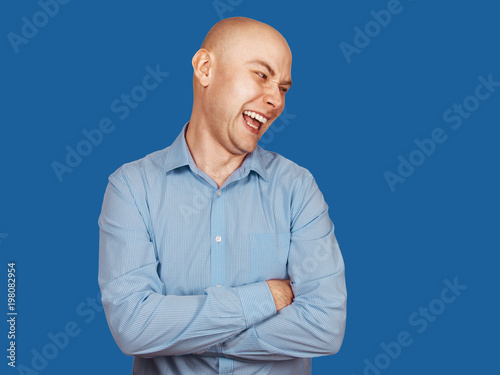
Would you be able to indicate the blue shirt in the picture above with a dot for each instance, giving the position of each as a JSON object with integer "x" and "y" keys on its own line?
{"x": 183, "y": 266}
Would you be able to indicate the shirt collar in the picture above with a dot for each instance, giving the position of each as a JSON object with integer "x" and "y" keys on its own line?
{"x": 255, "y": 161}
{"x": 179, "y": 156}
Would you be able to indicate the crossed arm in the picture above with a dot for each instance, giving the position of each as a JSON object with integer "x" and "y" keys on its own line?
{"x": 282, "y": 292}
{"x": 267, "y": 320}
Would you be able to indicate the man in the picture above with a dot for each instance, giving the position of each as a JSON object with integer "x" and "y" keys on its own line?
{"x": 217, "y": 257}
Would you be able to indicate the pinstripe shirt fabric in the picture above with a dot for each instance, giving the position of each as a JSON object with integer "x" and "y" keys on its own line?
{"x": 183, "y": 265}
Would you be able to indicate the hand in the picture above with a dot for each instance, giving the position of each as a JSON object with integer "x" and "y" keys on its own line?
{"x": 282, "y": 292}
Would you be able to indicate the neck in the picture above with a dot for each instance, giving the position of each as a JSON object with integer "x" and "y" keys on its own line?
{"x": 209, "y": 155}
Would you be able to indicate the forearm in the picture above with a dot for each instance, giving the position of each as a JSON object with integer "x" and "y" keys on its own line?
{"x": 313, "y": 325}
{"x": 147, "y": 323}
{"x": 282, "y": 294}
{"x": 309, "y": 327}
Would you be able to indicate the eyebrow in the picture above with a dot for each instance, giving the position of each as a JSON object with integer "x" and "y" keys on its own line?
{"x": 271, "y": 70}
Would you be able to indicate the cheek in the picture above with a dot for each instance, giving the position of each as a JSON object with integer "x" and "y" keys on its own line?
{"x": 228, "y": 93}
{"x": 231, "y": 91}
{"x": 245, "y": 89}
{"x": 242, "y": 85}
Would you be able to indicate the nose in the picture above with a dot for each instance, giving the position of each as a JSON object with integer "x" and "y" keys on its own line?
{"x": 274, "y": 96}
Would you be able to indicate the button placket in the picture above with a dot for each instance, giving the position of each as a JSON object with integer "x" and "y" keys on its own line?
{"x": 218, "y": 243}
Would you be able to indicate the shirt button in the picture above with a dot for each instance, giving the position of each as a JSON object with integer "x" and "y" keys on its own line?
{"x": 218, "y": 285}
{"x": 219, "y": 193}
{"x": 218, "y": 239}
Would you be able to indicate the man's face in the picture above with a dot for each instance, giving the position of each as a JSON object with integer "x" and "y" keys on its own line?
{"x": 247, "y": 90}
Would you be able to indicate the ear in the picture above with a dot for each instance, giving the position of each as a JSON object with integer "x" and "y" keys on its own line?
{"x": 202, "y": 63}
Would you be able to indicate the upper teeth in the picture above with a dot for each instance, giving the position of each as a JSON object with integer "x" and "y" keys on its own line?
{"x": 256, "y": 116}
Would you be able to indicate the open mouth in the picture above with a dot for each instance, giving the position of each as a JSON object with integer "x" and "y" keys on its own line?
{"x": 254, "y": 120}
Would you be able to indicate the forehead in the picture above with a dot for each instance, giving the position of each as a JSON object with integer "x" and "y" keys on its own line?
{"x": 263, "y": 46}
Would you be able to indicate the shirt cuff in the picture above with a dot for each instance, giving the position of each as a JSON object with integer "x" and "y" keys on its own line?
{"x": 257, "y": 302}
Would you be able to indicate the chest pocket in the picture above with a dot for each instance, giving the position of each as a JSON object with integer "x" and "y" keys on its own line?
{"x": 269, "y": 255}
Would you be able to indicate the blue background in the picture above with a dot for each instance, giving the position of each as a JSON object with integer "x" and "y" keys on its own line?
{"x": 351, "y": 121}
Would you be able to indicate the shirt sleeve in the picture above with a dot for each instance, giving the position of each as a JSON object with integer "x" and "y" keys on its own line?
{"x": 143, "y": 320}
{"x": 314, "y": 324}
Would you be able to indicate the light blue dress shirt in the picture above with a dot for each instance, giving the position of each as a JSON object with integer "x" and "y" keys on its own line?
{"x": 183, "y": 266}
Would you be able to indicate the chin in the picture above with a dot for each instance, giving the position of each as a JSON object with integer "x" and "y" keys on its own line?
{"x": 246, "y": 148}
{"x": 245, "y": 144}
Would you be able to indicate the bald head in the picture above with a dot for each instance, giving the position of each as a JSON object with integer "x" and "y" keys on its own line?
{"x": 225, "y": 35}
{"x": 242, "y": 69}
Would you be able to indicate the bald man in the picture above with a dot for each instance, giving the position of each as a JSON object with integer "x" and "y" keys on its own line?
{"x": 216, "y": 256}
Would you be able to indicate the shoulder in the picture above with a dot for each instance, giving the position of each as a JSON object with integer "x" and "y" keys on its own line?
{"x": 297, "y": 184}
{"x": 142, "y": 169}
{"x": 282, "y": 169}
